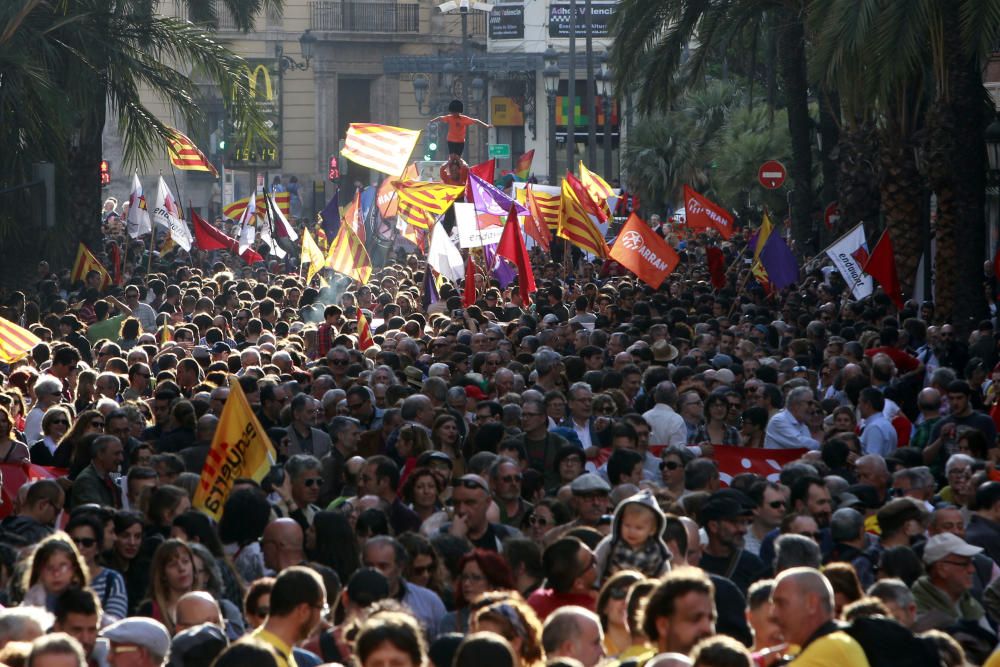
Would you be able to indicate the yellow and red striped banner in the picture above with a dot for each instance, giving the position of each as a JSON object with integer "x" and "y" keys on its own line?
{"x": 597, "y": 187}
{"x": 576, "y": 226}
{"x": 547, "y": 206}
{"x": 380, "y": 147}
{"x": 186, "y": 156}
{"x": 420, "y": 202}
{"x": 84, "y": 264}
{"x": 15, "y": 342}
{"x": 235, "y": 210}
{"x": 365, "y": 339}
{"x": 347, "y": 255}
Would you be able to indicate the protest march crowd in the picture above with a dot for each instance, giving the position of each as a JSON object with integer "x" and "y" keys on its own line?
{"x": 208, "y": 462}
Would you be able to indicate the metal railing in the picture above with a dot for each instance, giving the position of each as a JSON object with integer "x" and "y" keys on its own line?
{"x": 364, "y": 16}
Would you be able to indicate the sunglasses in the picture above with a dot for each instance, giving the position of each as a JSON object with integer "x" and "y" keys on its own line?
{"x": 97, "y": 424}
{"x": 85, "y": 542}
{"x": 312, "y": 481}
{"x": 776, "y": 504}
{"x": 669, "y": 465}
{"x": 510, "y": 479}
{"x": 423, "y": 569}
{"x": 469, "y": 484}
{"x": 340, "y": 362}
{"x": 618, "y": 593}
{"x": 538, "y": 520}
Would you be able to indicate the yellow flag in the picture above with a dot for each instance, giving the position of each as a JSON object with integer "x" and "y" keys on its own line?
{"x": 240, "y": 448}
{"x": 312, "y": 254}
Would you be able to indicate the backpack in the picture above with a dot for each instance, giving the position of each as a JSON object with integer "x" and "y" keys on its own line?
{"x": 886, "y": 642}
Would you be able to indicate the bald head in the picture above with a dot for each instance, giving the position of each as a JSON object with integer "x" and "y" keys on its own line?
{"x": 282, "y": 544}
{"x": 670, "y": 660}
{"x": 802, "y": 602}
{"x": 286, "y": 531}
{"x": 196, "y": 608}
{"x": 808, "y": 581}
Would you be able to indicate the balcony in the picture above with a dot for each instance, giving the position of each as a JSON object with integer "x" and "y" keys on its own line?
{"x": 365, "y": 16}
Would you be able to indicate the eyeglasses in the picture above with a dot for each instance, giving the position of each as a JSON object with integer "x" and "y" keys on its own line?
{"x": 536, "y": 520}
{"x": 618, "y": 593}
{"x": 324, "y": 609}
{"x": 776, "y": 504}
{"x": 471, "y": 577}
{"x": 962, "y": 564}
{"x": 312, "y": 481}
{"x": 340, "y": 362}
{"x": 423, "y": 569}
{"x": 85, "y": 542}
{"x": 97, "y": 424}
{"x": 669, "y": 465}
{"x": 469, "y": 484}
{"x": 510, "y": 479}
{"x": 58, "y": 568}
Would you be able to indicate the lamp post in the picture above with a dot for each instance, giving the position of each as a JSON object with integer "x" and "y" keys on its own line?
{"x": 307, "y": 44}
{"x": 551, "y": 75}
{"x": 605, "y": 88}
{"x": 420, "y": 87}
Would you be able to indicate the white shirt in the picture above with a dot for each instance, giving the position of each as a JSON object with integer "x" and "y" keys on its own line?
{"x": 146, "y": 316}
{"x": 786, "y": 432}
{"x": 667, "y": 427}
{"x": 33, "y": 425}
{"x": 583, "y": 432}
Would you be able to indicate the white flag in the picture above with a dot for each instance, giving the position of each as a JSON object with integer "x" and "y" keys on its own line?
{"x": 248, "y": 232}
{"x": 849, "y": 253}
{"x": 138, "y": 217}
{"x": 166, "y": 214}
{"x": 444, "y": 257}
{"x": 266, "y": 233}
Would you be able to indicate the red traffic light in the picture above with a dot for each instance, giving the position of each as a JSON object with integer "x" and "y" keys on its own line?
{"x": 334, "y": 173}
{"x": 105, "y": 170}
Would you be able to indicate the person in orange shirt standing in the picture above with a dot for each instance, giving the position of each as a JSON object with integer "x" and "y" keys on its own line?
{"x": 457, "y": 123}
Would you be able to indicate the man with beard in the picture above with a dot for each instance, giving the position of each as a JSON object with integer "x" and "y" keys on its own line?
{"x": 298, "y": 601}
{"x": 726, "y": 516}
{"x": 680, "y": 611}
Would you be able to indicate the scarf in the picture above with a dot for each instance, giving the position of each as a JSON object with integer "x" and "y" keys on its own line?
{"x": 649, "y": 559}
{"x": 931, "y": 598}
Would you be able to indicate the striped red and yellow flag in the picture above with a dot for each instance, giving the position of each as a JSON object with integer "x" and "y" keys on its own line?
{"x": 186, "y": 156}
{"x": 546, "y": 205}
{"x": 15, "y": 342}
{"x": 597, "y": 187}
{"x": 420, "y": 202}
{"x": 380, "y": 147}
{"x": 347, "y": 255}
{"x": 365, "y": 339}
{"x": 84, "y": 264}
{"x": 535, "y": 224}
{"x": 235, "y": 210}
{"x": 576, "y": 226}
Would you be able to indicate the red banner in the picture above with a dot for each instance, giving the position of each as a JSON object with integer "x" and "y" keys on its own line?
{"x": 733, "y": 460}
{"x": 16, "y": 475}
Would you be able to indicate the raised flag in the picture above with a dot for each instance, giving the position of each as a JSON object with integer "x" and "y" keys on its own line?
{"x": 881, "y": 266}
{"x": 522, "y": 168}
{"x": 380, "y": 147}
{"x": 209, "y": 238}
{"x": 701, "y": 213}
{"x": 420, "y": 202}
{"x": 535, "y": 224}
{"x": 546, "y": 209}
{"x": 429, "y": 294}
{"x": 386, "y": 200}
{"x": 469, "y": 289}
{"x": 167, "y": 214}
{"x": 311, "y": 255}
{"x": 492, "y": 204}
{"x": 501, "y": 270}
{"x": 235, "y": 210}
{"x": 248, "y": 224}
{"x": 347, "y": 255}
{"x": 511, "y": 247}
{"x": 240, "y": 448}
{"x": 282, "y": 228}
{"x": 16, "y": 342}
{"x": 355, "y": 218}
{"x": 644, "y": 252}
{"x": 365, "y": 339}
{"x": 484, "y": 170}
{"x": 598, "y": 188}
{"x": 186, "y": 156}
{"x": 443, "y": 256}
{"x": 266, "y": 230}
{"x": 576, "y": 226}
{"x": 583, "y": 196}
{"x": 84, "y": 264}
{"x": 844, "y": 253}
{"x": 137, "y": 222}
{"x": 779, "y": 262}
{"x": 716, "y": 266}
{"x": 330, "y": 216}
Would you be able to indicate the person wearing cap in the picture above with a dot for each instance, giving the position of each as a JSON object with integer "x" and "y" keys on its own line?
{"x": 137, "y": 642}
{"x": 726, "y": 517}
{"x": 943, "y": 595}
{"x": 472, "y": 499}
{"x": 590, "y": 504}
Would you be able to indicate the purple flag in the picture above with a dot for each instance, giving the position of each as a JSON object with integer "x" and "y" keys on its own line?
{"x": 502, "y": 271}
{"x": 779, "y": 262}
{"x": 430, "y": 294}
{"x": 490, "y": 201}
{"x": 331, "y": 216}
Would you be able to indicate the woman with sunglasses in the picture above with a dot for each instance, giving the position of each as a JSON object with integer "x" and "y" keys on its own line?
{"x": 479, "y": 571}
{"x": 673, "y": 460}
{"x": 612, "y": 609}
{"x": 48, "y": 451}
{"x": 544, "y": 516}
{"x": 87, "y": 533}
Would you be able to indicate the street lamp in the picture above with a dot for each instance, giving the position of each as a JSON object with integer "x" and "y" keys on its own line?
{"x": 605, "y": 87}
{"x": 477, "y": 90}
{"x": 550, "y": 75}
{"x": 448, "y": 75}
{"x": 307, "y": 44}
{"x": 420, "y": 88}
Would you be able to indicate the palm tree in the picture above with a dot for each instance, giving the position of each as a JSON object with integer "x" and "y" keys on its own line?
{"x": 651, "y": 49}
{"x": 90, "y": 58}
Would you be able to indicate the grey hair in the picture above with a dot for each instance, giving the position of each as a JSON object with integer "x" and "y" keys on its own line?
{"x": 798, "y": 395}
{"x": 402, "y": 557}
{"x": 792, "y": 550}
{"x": 339, "y": 424}
{"x": 48, "y": 384}
{"x": 892, "y": 590}
{"x": 300, "y": 464}
{"x": 846, "y": 524}
{"x": 666, "y": 393}
{"x": 943, "y": 376}
{"x": 545, "y": 362}
{"x": 579, "y": 386}
{"x": 494, "y": 471}
{"x": 919, "y": 477}
{"x": 16, "y": 623}
{"x": 955, "y": 459}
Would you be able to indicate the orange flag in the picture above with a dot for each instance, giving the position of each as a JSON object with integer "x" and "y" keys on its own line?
{"x": 643, "y": 252}
{"x": 702, "y": 213}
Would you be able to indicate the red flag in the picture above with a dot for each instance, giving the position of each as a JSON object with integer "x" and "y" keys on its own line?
{"x": 881, "y": 266}
{"x": 583, "y": 195}
{"x": 469, "y": 291}
{"x": 116, "y": 263}
{"x": 511, "y": 246}
{"x": 484, "y": 170}
{"x": 716, "y": 266}
{"x": 209, "y": 238}
{"x": 644, "y": 252}
{"x": 702, "y": 213}
{"x": 365, "y": 339}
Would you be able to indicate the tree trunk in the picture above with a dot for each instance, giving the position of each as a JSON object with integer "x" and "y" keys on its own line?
{"x": 829, "y": 132}
{"x": 792, "y": 65}
{"x": 902, "y": 188}
{"x": 84, "y": 180}
{"x": 857, "y": 185}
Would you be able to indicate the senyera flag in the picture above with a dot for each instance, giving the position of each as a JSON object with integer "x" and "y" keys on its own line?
{"x": 702, "y": 213}
{"x": 380, "y": 147}
{"x": 186, "y": 156}
{"x": 644, "y": 252}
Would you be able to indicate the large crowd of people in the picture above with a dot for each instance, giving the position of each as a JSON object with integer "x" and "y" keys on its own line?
{"x": 503, "y": 484}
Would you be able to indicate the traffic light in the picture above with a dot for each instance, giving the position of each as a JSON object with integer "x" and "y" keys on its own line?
{"x": 431, "y": 142}
{"x": 334, "y": 172}
{"x": 105, "y": 169}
